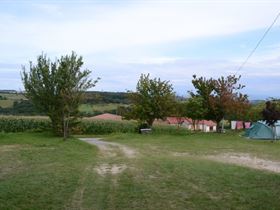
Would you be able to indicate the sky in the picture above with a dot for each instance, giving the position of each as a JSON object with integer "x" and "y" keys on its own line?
{"x": 120, "y": 40}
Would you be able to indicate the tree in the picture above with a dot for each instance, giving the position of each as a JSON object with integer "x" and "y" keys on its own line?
{"x": 255, "y": 112}
{"x": 179, "y": 112}
{"x": 221, "y": 97}
{"x": 57, "y": 88}
{"x": 195, "y": 110}
{"x": 271, "y": 115}
{"x": 153, "y": 99}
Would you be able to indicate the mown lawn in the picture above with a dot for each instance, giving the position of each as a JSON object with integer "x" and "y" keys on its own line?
{"x": 39, "y": 171}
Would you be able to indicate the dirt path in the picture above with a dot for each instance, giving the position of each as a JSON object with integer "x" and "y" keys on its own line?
{"x": 241, "y": 159}
{"x": 110, "y": 148}
{"x": 244, "y": 159}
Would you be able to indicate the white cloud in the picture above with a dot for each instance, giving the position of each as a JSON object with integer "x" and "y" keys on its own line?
{"x": 117, "y": 39}
{"x": 133, "y": 24}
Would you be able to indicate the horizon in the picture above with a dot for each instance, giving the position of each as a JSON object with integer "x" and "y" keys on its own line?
{"x": 172, "y": 40}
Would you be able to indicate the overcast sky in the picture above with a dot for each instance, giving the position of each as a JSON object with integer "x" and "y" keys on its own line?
{"x": 119, "y": 40}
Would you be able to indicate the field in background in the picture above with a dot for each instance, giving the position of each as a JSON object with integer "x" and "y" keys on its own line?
{"x": 10, "y": 98}
{"x": 39, "y": 171}
{"x": 95, "y": 103}
{"x": 87, "y": 125}
{"x": 95, "y": 109}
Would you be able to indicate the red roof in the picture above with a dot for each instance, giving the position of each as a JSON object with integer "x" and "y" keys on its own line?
{"x": 175, "y": 120}
{"x": 107, "y": 116}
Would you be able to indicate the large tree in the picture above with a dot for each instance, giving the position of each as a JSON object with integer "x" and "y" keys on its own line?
{"x": 221, "y": 97}
{"x": 153, "y": 99}
{"x": 57, "y": 88}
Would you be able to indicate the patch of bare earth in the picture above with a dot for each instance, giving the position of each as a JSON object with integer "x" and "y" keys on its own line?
{"x": 247, "y": 160}
{"x": 106, "y": 169}
{"x": 180, "y": 154}
{"x": 9, "y": 148}
{"x": 242, "y": 159}
{"x": 110, "y": 148}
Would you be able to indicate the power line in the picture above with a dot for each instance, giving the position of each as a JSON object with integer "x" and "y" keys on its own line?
{"x": 258, "y": 44}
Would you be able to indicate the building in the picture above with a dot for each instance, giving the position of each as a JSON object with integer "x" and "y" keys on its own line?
{"x": 202, "y": 125}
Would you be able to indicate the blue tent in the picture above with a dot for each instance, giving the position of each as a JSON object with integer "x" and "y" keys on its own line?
{"x": 260, "y": 130}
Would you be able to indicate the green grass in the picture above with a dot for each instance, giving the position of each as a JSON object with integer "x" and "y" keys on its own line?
{"x": 39, "y": 171}
{"x": 13, "y": 96}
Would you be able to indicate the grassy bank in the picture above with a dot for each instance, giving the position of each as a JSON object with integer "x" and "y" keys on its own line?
{"x": 39, "y": 171}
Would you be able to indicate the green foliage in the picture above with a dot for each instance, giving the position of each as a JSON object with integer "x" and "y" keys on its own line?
{"x": 57, "y": 89}
{"x": 221, "y": 97}
{"x": 3, "y": 97}
{"x": 153, "y": 99}
{"x": 254, "y": 112}
{"x": 195, "y": 110}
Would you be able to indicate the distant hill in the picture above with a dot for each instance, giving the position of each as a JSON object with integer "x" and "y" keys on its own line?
{"x": 8, "y": 91}
{"x": 257, "y": 101}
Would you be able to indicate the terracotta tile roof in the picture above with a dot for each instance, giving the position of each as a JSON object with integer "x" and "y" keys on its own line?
{"x": 108, "y": 116}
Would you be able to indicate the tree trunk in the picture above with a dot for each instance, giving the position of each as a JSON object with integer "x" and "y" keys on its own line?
{"x": 150, "y": 122}
{"x": 64, "y": 126}
{"x": 194, "y": 123}
{"x": 218, "y": 126}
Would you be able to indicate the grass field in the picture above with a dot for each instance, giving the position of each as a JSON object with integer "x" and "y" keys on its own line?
{"x": 39, "y": 171}
{"x": 88, "y": 108}
{"x": 11, "y": 98}
{"x": 6, "y": 103}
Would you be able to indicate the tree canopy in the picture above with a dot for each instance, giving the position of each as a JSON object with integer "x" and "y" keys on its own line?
{"x": 153, "y": 99}
{"x": 271, "y": 113}
{"x": 195, "y": 110}
{"x": 57, "y": 88}
{"x": 221, "y": 97}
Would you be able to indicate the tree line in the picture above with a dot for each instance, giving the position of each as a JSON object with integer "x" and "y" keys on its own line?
{"x": 58, "y": 87}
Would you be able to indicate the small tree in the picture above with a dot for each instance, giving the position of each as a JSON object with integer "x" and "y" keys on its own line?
{"x": 195, "y": 110}
{"x": 153, "y": 99}
{"x": 271, "y": 115}
{"x": 221, "y": 97}
{"x": 57, "y": 89}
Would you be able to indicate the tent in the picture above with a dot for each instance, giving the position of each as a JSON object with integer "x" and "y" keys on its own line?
{"x": 260, "y": 130}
